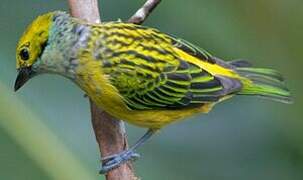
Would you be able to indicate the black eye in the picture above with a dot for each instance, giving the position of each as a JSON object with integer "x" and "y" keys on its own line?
{"x": 24, "y": 54}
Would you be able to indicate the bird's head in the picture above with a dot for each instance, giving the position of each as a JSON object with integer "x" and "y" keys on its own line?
{"x": 33, "y": 50}
{"x": 31, "y": 46}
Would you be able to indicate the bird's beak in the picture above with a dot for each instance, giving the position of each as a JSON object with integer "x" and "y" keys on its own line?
{"x": 25, "y": 73}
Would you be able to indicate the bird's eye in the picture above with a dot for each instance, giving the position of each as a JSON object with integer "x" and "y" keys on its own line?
{"x": 24, "y": 54}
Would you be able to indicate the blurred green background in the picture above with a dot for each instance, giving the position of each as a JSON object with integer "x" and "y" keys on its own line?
{"x": 45, "y": 129}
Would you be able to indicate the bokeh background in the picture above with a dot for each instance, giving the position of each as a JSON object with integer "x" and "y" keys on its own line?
{"x": 45, "y": 129}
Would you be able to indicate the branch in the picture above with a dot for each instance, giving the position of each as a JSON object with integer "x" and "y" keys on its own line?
{"x": 85, "y": 9}
{"x": 140, "y": 16}
{"x": 110, "y": 133}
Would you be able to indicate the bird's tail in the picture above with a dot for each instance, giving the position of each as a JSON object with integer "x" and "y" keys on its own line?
{"x": 262, "y": 82}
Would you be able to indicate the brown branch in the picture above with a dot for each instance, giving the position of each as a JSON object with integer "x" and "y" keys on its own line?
{"x": 140, "y": 16}
{"x": 85, "y": 9}
{"x": 111, "y": 137}
{"x": 110, "y": 133}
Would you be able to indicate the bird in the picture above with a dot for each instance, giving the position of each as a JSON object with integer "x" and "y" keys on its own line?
{"x": 138, "y": 74}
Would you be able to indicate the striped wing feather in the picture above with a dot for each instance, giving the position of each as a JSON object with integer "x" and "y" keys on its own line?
{"x": 143, "y": 66}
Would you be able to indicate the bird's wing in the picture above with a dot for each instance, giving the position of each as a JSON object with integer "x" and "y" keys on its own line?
{"x": 149, "y": 74}
{"x": 192, "y": 50}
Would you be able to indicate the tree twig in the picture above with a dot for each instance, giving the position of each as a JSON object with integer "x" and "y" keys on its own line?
{"x": 140, "y": 16}
{"x": 110, "y": 133}
{"x": 85, "y": 9}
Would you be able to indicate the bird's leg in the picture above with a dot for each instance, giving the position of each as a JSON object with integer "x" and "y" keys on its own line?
{"x": 113, "y": 161}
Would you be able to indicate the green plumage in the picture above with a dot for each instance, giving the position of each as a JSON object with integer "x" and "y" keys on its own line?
{"x": 267, "y": 83}
{"x": 149, "y": 74}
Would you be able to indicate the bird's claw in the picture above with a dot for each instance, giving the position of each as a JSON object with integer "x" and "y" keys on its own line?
{"x": 114, "y": 161}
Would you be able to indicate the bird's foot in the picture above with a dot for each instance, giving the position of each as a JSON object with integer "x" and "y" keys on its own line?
{"x": 114, "y": 161}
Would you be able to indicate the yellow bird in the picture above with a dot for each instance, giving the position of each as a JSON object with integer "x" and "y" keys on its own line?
{"x": 137, "y": 74}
